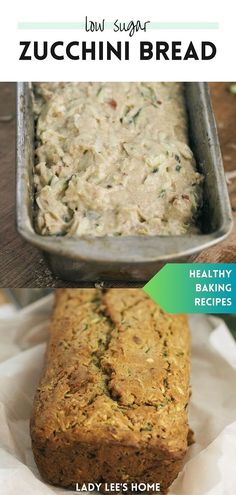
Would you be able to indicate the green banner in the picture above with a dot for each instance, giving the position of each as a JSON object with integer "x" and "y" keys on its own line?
{"x": 195, "y": 288}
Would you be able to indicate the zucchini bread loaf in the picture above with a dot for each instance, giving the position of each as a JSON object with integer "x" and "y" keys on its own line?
{"x": 112, "y": 402}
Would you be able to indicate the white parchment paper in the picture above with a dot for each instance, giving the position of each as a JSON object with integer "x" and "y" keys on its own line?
{"x": 210, "y": 467}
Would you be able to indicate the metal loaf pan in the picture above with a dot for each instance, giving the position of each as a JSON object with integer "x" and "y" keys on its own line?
{"x": 131, "y": 260}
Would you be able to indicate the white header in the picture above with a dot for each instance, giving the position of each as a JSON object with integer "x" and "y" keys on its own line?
{"x": 174, "y": 40}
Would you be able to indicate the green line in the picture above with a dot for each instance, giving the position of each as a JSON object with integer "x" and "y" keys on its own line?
{"x": 50, "y": 25}
{"x": 184, "y": 25}
{"x": 110, "y": 25}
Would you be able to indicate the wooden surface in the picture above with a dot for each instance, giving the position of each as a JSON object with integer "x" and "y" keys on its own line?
{"x": 3, "y": 298}
{"x": 224, "y": 105}
{"x": 20, "y": 264}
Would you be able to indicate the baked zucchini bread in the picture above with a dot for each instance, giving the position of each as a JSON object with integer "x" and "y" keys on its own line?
{"x": 114, "y": 159}
{"x": 111, "y": 405}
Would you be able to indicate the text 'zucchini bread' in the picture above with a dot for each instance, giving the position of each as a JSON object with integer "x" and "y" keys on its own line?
{"x": 112, "y": 402}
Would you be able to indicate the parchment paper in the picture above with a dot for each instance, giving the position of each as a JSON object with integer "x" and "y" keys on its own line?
{"x": 210, "y": 467}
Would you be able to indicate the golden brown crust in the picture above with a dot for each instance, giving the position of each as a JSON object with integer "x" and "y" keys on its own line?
{"x": 112, "y": 402}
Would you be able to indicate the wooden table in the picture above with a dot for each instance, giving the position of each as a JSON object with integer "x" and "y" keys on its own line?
{"x": 3, "y": 298}
{"x": 20, "y": 264}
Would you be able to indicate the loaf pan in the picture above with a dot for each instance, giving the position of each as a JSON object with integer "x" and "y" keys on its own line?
{"x": 130, "y": 260}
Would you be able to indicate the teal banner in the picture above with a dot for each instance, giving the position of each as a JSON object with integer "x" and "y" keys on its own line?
{"x": 195, "y": 288}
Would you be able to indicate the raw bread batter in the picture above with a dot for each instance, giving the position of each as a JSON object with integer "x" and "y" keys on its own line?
{"x": 113, "y": 159}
